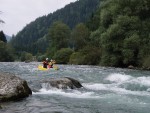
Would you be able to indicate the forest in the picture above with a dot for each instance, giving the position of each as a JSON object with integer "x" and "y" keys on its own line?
{"x": 6, "y": 50}
{"x": 106, "y": 32}
{"x": 33, "y": 35}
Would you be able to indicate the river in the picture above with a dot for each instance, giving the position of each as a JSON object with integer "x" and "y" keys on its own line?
{"x": 106, "y": 90}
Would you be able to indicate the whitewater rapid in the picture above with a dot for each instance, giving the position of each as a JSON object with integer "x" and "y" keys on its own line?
{"x": 105, "y": 90}
{"x": 115, "y": 83}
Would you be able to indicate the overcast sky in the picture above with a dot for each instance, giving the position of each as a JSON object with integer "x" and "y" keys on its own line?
{"x": 18, "y": 13}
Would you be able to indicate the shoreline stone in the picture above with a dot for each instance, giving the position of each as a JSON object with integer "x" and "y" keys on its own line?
{"x": 13, "y": 88}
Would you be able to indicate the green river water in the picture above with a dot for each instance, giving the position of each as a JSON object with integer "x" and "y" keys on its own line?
{"x": 106, "y": 90}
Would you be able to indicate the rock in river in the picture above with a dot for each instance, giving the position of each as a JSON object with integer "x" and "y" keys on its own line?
{"x": 62, "y": 83}
{"x": 12, "y": 87}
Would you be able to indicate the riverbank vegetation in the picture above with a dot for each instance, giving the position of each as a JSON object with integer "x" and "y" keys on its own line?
{"x": 6, "y": 51}
{"x": 116, "y": 34}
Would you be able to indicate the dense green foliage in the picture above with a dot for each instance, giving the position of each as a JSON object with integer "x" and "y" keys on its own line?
{"x": 26, "y": 56}
{"x": 124, "y": 32}
{"x": 58, "y": 37}
{"x": 40, "y": 57}
{"x": 6, "y": 52}
{"x": 62, "y": 56}
{"x": 116, "y": 34}
{"x": 88, "y": 56}
{"x": 79, "y": 36}
{"x": 29, "y": 38}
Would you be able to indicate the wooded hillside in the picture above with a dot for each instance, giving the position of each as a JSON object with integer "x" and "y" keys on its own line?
{"x": 29, "y": 38}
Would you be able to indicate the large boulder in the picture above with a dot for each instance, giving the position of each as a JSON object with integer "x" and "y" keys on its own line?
{"x": 12, "y": 87}
{"x": 62, "y": 83}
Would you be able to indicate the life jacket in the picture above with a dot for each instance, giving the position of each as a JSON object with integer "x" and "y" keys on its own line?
{"x": 51, "y": 65}
{"x": 45, "y": 63}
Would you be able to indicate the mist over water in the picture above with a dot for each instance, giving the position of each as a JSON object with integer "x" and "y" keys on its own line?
{"x": 105, "y": 90}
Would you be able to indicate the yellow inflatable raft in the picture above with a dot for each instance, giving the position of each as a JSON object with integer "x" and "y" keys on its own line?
{"x": 40, "y": 67}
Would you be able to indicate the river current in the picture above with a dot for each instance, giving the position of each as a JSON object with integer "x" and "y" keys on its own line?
{"x": 106, "y": 90}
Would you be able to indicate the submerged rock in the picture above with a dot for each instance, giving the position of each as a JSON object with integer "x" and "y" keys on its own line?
{"x": 12, "y": 87}
{"x": 62, "y": 83}
{"x": 131, "y": 67}
{"x": 27, "y": 61}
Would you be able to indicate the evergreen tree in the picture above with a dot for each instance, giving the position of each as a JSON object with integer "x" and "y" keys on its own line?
{"x": 3, "y": 37}
{"x": 28, "y": 38}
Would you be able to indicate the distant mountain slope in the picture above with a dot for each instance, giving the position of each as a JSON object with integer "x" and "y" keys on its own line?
{"x": 71, "y": 14}
{"x": 8, "y": 37}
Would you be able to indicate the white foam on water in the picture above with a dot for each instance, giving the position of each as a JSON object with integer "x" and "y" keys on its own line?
{"x": 123, "y": 78}
{"x": 34, "y": 69}
{"x": 117, "y": 77}
{"x": 125, "y": 92}
{"x": 113, "y": 88}
{"x": 144, "y": 80}
{"x": 30, "y": 68}
{"x": 95, "y": 86}
{"x": 71, "y": 93}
